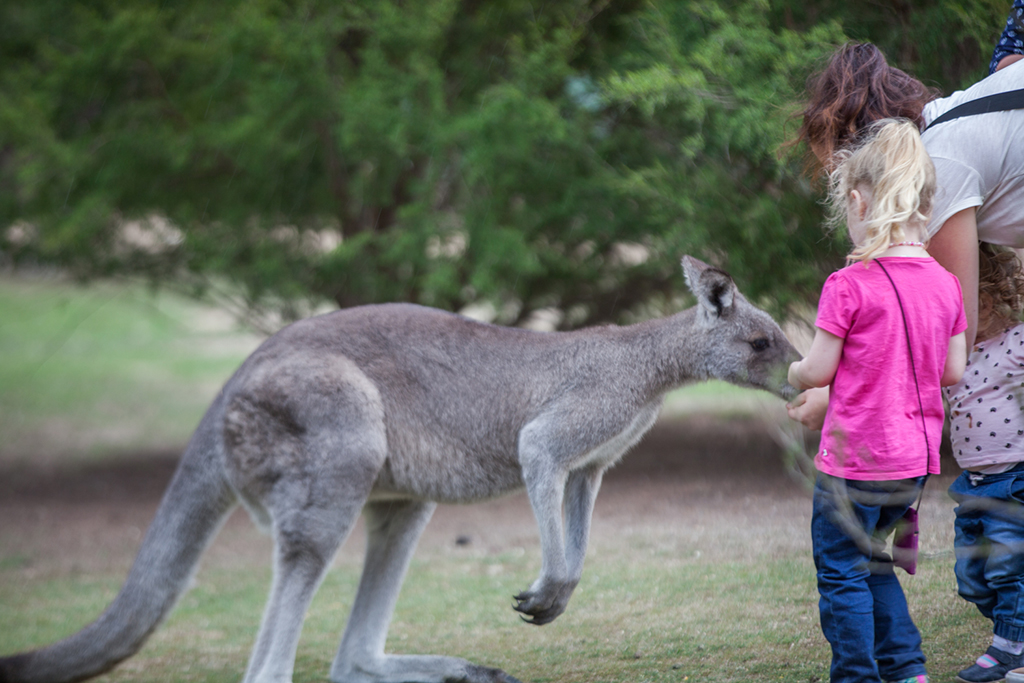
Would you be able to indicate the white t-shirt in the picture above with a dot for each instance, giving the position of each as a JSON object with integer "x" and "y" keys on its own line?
{"x": 979, "y": 161}
{"x": 986, "y": 408}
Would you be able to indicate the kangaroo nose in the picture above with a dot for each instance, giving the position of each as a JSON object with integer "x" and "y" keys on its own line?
{"x": 788, "y": 391}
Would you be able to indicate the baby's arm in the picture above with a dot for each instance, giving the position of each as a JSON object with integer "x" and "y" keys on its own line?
{"x": 819, "y": 365}
{"x": 956, "y": 360}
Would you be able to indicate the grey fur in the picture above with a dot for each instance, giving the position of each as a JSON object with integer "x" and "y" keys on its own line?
{"x": 387, "y": 410}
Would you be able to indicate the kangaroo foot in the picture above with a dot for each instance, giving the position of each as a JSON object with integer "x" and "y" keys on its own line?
{"x": 483, "y": 674}
{"x": 416, "y": 669}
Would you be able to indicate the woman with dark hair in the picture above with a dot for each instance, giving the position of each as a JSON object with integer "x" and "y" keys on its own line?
{"x": 979, "y": 160}
{"x": 857, "y": 88}
{"x": 978, "y": 155}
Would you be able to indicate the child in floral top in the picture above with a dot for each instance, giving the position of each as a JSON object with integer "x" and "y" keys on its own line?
{"x": 987, "y": 429}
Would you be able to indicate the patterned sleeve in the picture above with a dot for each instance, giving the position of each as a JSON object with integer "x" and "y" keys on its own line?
{"x": 1011, "y": 42}
{"x": 837, "y": 305}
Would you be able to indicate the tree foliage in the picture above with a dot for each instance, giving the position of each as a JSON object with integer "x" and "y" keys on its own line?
{"x": 447, "y": 152}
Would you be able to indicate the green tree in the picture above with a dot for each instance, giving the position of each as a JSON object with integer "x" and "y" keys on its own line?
{"x": 946, "y": 44}
{"x": 444, "y": 152}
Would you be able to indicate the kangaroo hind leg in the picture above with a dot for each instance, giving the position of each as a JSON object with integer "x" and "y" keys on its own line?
{"x": 305, "y": 440}
{"x": 393, "y": 529}
{"x": 306, "y": 538}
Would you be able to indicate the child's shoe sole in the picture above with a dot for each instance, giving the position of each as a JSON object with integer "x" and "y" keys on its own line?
{"x": 1015, "y": 676}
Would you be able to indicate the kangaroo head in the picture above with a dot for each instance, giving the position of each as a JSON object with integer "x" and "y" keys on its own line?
{"x": 736, "y": 341}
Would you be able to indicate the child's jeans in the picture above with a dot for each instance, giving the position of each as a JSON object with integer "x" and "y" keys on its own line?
{"x": 864, "y": 613}
{"x": 989, "y": 546}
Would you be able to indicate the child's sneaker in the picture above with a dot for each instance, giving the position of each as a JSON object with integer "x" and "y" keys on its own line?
{"x": 920, "y": 678}
{"x": 1015, "y": 676}
{"x": 990, "y": 667}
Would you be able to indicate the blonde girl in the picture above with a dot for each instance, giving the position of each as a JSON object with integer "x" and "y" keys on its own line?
{"x": 889, "y": 334}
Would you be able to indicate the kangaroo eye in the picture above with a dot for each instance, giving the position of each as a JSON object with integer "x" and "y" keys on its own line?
{"x": 760, "y": 344}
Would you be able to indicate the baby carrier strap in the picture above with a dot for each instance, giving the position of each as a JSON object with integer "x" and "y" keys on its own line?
{"x": 1004, "y": 101}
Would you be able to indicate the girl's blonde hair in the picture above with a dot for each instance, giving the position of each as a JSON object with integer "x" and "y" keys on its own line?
{"x": 890, "y": 159}
{"x": 1000, "y": 289}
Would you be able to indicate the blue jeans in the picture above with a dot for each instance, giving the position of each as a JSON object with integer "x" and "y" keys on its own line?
{"x": 863, "y": 609}
{"x": 989, "y": 546}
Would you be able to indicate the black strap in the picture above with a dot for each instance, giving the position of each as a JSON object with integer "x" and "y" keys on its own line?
{"x": 913, "y": 368}
{"x": 1012, "y": 99}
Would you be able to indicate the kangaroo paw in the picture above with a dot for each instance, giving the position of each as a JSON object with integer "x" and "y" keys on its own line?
{"x": 543, "y": 604}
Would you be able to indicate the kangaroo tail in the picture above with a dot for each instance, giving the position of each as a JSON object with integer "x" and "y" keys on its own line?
{"x": 193, "y": 508}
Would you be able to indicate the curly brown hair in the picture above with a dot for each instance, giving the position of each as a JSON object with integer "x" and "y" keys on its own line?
{"x": 856, "y": 88}
{"x": 1000, "y": 289}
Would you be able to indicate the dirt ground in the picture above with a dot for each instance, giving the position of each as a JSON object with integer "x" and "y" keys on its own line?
{"x": 700, "y": 485}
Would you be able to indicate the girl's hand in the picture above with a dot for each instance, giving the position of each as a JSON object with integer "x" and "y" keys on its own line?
{"x": 809, "y": 408}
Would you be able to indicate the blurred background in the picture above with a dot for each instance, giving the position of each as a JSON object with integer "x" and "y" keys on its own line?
{"x": 179, "y": 179}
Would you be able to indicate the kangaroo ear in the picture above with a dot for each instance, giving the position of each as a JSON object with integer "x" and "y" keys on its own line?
{"x": 713, "y": 288}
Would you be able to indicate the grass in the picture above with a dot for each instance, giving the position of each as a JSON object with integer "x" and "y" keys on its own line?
{"x": 91, "y": 372}
{"x": 721, "y": 399}
{"x": 629, "y": 620}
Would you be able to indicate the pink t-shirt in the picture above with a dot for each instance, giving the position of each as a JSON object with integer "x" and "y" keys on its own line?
{"x": 873, "y": 427}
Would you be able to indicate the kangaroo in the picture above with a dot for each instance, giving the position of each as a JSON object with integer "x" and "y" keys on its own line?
{"x": 388, "y": 410}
